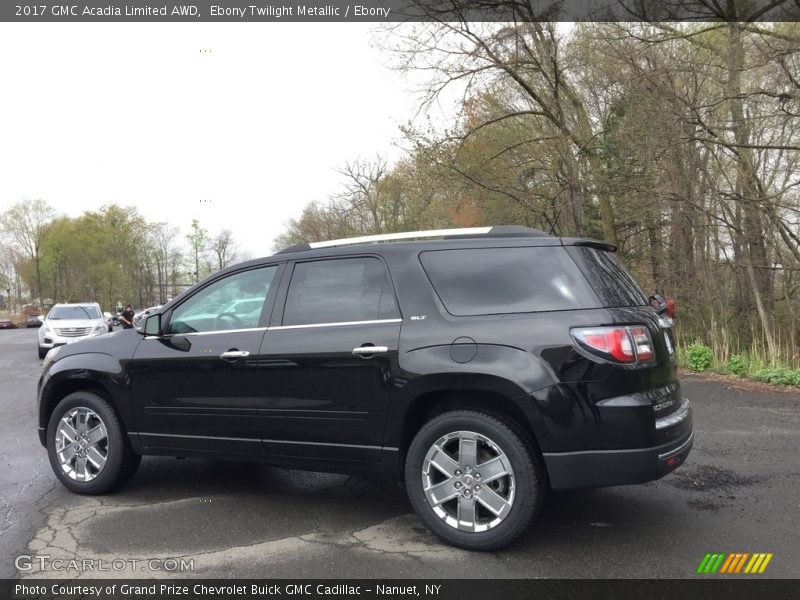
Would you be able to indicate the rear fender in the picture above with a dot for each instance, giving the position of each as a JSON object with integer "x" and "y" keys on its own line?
{"x": 515, "y": 370}
{"x": 504, "y": 374}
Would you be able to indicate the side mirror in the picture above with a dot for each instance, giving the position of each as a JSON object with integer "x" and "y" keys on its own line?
{"x": 152, "y": 326}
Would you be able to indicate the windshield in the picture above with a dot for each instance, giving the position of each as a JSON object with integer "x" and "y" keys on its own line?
{"x": 74, "y": 312}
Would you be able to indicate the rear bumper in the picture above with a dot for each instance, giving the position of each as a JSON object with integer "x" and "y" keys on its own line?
{"x": 598, "y": 468}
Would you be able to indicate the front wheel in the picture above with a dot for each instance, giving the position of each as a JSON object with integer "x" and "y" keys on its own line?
{"x": 87, "y": 446}
{"x": 474, "y": 479}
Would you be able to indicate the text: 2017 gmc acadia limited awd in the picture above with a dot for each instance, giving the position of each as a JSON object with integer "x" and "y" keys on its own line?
{"x": 480, "y": 365}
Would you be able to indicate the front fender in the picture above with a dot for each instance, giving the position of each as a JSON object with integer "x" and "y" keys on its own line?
{"x": 86, "y": 371}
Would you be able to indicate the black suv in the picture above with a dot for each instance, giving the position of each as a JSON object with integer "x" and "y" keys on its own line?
{"x": 480, "y": 366}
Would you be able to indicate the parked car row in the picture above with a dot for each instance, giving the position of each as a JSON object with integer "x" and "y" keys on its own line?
{"x": 68, "y": 323}
{"x": 30, "y": 321}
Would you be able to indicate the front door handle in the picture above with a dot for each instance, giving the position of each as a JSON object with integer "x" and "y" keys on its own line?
{"x": 234, "y": 354}
{"x": 370, "y": 350}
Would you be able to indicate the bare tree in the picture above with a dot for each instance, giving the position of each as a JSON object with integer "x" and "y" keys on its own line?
{"x": 198, "y": 244}
{"x": 527, "y": 57}
{"x": 10, "y": 281}
{"x": 24, "y": 224}
{"x": 163, "y": 237}
{"x": 224, "y": 248}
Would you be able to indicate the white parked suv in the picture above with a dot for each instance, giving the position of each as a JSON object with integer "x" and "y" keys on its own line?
{"x": 68, "y": 323}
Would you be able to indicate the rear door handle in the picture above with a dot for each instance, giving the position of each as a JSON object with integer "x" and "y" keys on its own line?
{"x": 370, "y": 350}
{"x": 234, "y": 354}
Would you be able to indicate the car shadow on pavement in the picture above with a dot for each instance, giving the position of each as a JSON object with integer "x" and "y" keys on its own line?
{"x": 197, "y": 503}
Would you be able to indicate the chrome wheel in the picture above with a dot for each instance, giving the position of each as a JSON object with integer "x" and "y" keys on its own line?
{"x": 468, "y": 481}
{"x": 81, "y": 444}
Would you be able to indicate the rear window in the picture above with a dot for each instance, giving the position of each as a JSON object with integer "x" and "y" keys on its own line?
{"x": 608, "y": 277}
{"x": 487, "y": 281}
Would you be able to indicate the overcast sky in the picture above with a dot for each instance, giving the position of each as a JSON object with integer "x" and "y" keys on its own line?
{"x": 240, "y": 135}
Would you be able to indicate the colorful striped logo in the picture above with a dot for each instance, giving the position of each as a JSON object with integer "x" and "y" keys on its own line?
{"x": 734, "y": 563}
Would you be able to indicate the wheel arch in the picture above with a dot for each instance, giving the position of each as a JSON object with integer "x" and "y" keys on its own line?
{"x": 432, "y": 403}
{"x": 63, "y": 388}
{"x": 64, "y": 378}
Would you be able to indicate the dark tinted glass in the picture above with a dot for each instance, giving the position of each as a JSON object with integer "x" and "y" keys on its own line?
{"x": 338, "y": 291}
{"x": 507, "y": 280}
{"x": 608, "y": 277}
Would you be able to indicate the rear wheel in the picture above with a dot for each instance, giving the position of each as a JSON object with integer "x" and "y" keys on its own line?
{"x": 474, "y": 479}
{"x": 87, "y": 446}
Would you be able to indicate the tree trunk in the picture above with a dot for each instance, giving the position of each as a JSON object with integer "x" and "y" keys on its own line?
{"x": 749, "y": 191}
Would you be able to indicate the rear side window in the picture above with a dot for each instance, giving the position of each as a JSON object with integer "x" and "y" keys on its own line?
{"x": 339, "y": 291}
{"x": 507, "y": 280}
{"x": 608, "y": 277}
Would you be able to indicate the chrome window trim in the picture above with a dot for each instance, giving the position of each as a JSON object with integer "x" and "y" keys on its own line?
{"x": 193, "y": 333}
{"x": 274, "y": 328}
{"x": 340, "y": 324}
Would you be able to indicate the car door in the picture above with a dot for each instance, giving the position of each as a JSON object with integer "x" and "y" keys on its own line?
{"x": 329, "y": 362}
{"x": 195, "y": 386}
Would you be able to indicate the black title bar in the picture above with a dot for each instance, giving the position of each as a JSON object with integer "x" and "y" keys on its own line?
{"x": 374, "y": 11}
{"x": 705, "y": 587}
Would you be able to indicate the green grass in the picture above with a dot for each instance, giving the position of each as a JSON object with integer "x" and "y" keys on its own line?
{"x": 749, "y": 364}
{"x": 778, "y": 376}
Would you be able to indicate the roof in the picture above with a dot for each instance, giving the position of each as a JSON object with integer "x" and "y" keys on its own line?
{"x": 437, "y": 239}
{"x": 510, "y": 235}
{"x": 496, "y": 231}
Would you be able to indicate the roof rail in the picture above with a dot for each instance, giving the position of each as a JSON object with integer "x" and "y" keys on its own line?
{"x": 464, "y": 232}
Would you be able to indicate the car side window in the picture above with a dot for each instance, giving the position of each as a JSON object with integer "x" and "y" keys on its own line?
{"x": 234, "y": 302}
{"x": 339, "y": 291}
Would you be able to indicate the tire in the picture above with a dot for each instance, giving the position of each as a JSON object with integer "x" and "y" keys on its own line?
{"x": 502, "y": 447}
{"x": 85, "y": 435}
{"x": 43, "y": 352}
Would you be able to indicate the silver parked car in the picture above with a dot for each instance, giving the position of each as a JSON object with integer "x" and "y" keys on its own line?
{"x": 68, "y": 323}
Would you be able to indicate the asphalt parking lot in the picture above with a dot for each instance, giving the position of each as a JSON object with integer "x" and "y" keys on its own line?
{"x": 738, "y": 492}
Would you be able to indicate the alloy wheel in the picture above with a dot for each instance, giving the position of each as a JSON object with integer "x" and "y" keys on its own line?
{"x": 468, "y": 481}
{"x": 81, "y": 444}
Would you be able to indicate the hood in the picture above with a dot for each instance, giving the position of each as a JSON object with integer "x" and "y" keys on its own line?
{"x": 120, "y": 344}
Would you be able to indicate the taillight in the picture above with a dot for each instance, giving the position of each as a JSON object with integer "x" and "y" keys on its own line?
{"x": 629, "y": 344}
{"x": 671, "y": 308}
{"x": 643, "y": 343}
